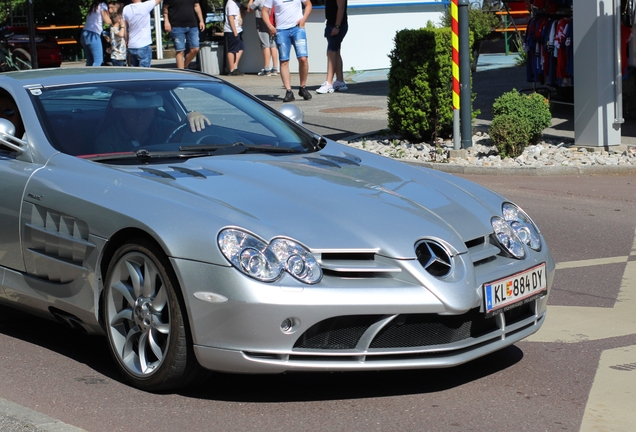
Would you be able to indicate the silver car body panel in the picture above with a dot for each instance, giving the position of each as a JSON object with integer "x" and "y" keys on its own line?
{"x": 359, "y": 214}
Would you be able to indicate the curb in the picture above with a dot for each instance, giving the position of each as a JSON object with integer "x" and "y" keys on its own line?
{"x": 16, "y": 417}
{"x": 529, "y": 171}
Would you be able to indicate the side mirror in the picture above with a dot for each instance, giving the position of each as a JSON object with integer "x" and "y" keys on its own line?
{"x": 293, "y": 112}
{"x": 7, "y": 136}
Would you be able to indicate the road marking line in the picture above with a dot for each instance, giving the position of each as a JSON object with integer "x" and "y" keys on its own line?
{"x": 592, "y": 262}
{"x": 572, "y": 324}
{"x": 610, "y": 406}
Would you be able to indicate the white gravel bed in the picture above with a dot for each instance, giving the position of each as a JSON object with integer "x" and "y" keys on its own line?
{"x": 548, "y": 153}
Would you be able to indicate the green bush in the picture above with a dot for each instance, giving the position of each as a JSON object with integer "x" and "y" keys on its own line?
{"x": 510, "y": 134}
{"x": 533, "y": 108}
{"x": 420, "y": 104}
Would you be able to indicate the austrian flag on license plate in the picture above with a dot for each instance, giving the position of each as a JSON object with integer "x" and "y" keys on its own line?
{"x": 515, "y": 290}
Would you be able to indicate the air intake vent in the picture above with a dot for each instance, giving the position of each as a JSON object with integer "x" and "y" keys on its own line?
{"x": 435, "y": 259}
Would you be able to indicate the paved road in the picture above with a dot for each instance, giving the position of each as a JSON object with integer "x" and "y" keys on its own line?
{"x": 577, "y": 373}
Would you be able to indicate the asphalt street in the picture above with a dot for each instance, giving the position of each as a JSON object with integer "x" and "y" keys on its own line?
{"x": 577, "y": 373}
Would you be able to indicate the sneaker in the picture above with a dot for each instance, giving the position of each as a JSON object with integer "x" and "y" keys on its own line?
{"x": 340, "y": 86}
{"x": 264, "y": 72}
{"x": 273, "y": 72}
{"x": 325, "y": 88}
{"x": 236, "y": 72}
{"x": 302, "y": 91}
{"x": 289, "y": 96}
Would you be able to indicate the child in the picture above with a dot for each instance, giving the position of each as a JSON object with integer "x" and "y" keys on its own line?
{"x": 117, "y": 40}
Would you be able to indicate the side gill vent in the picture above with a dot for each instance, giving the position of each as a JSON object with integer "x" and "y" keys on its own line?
{"x": 435, "y": 259}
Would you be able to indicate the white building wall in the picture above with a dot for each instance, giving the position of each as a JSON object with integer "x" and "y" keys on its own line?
{"x": 369, "y": 41}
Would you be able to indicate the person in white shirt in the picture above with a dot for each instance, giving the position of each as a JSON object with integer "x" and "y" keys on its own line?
{"x": 233, "y": 30}
{"x": 91, "y": 38}
{"x": 290, "y": 30}
{"x": 138, "y": 34}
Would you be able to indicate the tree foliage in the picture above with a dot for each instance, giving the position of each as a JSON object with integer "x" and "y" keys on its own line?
{"x": 45, "y": 12}
{"x": 482, "y": 23}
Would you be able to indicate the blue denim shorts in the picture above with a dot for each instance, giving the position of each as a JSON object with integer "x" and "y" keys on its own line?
{"x": 185, "y": 36}
{"x": 140, "y": 56}
{"x": 335, "y": 42}
{"x": 295, "y": 36}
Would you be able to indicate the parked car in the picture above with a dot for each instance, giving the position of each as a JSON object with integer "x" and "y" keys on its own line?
{"x": 49, "y": 52}
{"x": 249, "y": 246}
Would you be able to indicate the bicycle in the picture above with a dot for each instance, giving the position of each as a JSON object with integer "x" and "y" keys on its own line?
{"x": 12, "y": 60}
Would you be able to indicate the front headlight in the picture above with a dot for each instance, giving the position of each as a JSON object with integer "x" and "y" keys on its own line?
{"x": 522, "y": 225}
{"x": 266, "y": 262}
{"x": 507, "y": 238}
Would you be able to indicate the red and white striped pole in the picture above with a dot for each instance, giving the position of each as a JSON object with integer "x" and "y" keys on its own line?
{"x": 455, "y": 43}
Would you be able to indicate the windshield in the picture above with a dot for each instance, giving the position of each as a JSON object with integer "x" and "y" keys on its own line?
{"x": 108, "y": 119}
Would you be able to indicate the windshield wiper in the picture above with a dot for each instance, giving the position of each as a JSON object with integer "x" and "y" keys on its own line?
{"x": 143, "y": 155}
{"x": 236, "y": 148}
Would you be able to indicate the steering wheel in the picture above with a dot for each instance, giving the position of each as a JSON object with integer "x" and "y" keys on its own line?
{"x": 177, "y": 133}
{"x": 183, "y": 134}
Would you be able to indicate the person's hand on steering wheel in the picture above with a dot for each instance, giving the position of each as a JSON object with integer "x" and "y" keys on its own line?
{"x": 197, "y": 121}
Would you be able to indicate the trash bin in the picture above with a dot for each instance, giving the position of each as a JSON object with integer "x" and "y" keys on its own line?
{"x": 211, "y": 57}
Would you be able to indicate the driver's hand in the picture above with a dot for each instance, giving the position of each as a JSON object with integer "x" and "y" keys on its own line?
{"x": 197, "y": 121}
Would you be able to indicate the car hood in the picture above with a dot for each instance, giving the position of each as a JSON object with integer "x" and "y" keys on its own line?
{"x": 335, "y": 199}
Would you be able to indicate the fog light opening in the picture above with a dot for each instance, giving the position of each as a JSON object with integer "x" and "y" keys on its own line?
{"x": 289, "y": 325}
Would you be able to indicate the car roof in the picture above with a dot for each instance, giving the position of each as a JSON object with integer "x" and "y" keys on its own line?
{"x": 83, "y": 75}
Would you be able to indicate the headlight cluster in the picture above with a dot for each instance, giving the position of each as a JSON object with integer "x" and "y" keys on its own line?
{"x": 266, "y": 262}
{"x": 514, "y": 230}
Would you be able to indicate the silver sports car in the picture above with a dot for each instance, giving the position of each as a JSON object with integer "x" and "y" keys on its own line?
{"x": 198, "y": 228}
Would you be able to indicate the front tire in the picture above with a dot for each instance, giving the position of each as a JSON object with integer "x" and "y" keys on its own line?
{"x": 144, "y": 319}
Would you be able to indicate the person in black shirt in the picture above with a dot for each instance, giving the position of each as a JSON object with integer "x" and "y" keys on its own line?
{"x": 184, "y": 20}
{"x": 335, "y": 31}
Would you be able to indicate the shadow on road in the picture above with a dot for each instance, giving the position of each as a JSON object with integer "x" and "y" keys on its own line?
{"x": 291, "y": 387}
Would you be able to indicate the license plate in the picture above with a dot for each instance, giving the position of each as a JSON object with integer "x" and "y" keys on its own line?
{"x": 515, "y": 290}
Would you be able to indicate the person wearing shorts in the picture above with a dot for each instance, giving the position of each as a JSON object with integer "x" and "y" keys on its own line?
{"x": 138, "y": 34}
{"x": 335, "y": 31}
{"x": 184, "y": 20}
{"x": 268, "y": 42}
{"x": 290, "y": 31}
{"x": 233, "y": 30}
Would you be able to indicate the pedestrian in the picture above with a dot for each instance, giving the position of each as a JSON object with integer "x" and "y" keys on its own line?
{"x": 335, "y": 31}
{"x": 184, "y": 20}
{"x": 138, "y": 33}
{"x": 117, "y": 40}
{"x": 268, "y": 42}
{"x": 233, "y": 30}
{"x": 115, "y": 7}
{"x": 290, "y": 30}
{"x": 91, "y": 38}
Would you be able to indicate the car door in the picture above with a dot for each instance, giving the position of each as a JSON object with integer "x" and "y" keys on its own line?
{"x": 14, "y": 174}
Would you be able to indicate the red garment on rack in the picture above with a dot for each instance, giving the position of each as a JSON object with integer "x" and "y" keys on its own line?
{"x": 560, "y": 44}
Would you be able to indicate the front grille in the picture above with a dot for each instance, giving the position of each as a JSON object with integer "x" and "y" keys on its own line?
{"x": 404, "y": 331}
{"x": 425, "y": 330}
{"x": 338, "y": 333}
{"x": 519, "y": 313}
